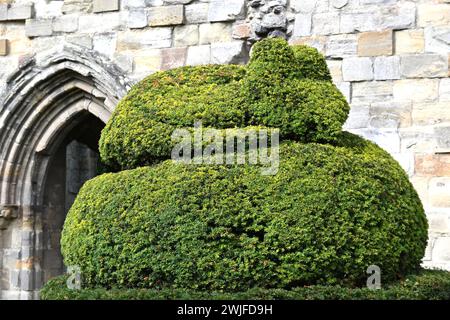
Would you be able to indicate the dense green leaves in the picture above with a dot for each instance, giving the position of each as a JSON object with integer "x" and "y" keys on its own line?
{"x": 426, "y": 285}
{"x": 311, "y": 64}
{"x": 283, "y": 87}
{"x": 140, "y": 130}
{"x": 330, "y": 212}
{"x": 337, "y": 205}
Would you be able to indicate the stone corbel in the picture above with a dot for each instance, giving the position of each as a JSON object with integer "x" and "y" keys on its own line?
{"x": 7, "y": 214}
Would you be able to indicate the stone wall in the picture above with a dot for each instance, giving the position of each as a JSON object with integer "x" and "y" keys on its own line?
{"x": 390, "y": 59}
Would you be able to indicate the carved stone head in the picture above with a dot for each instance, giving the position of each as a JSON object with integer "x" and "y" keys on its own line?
{"x": 267, "y": 18}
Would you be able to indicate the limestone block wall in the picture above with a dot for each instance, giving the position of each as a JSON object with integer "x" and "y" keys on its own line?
{"x": 390, "y": 58}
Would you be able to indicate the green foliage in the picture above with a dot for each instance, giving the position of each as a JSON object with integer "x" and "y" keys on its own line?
{"x": 272, "y": 65}
{"x": 140, "y": 130}
{"x": 427, "y": 285}
{"x": 329, "y": 213}
{"x": 311, "y": 64}
{"x": 282, "y": 87}
{"x": 337, "y": 205}
{"x": 306, "y": 110}
{"x": 291, "y": 89}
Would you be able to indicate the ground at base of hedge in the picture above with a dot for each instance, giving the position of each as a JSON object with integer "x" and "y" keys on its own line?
{"x": 426, "y": 285}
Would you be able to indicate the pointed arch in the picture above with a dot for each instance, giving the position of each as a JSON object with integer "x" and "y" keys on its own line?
{"x": 49, "y": 95}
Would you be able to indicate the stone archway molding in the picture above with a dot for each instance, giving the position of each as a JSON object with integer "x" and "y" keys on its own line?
{"x": 48, "y": 96}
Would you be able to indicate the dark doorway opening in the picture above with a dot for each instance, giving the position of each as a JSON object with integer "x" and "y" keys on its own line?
{"x": 75, "y": 161}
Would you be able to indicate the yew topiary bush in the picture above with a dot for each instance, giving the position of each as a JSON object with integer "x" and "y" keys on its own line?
{"x": 338, "y": 204}
{"x": 140, "y": 130}
{"x": 424, "y": 285}
{"x": 277, "y": 89}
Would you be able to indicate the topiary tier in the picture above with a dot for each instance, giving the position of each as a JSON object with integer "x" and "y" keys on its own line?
{"x": 338, "y": 204}
{"x": 424, "y": 285}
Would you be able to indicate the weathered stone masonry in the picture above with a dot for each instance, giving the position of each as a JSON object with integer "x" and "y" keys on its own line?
{"x": 65, "y": 64}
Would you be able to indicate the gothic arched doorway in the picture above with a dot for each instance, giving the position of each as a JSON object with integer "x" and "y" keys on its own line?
{"x": 75, "y": 161}
{"x": 51, "y": 115}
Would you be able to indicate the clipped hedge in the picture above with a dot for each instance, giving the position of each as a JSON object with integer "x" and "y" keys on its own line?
{"x": 311, "y": 64}
{"x": 329, "y": 213}
{"x": 427, "y": 285}
{"x": 337, "y": 205}
{"x": 284, "y": 87}
{"x": 290, "y": 88}
{"x": 140, "y": 130}
{"x": 305, "y": 110}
